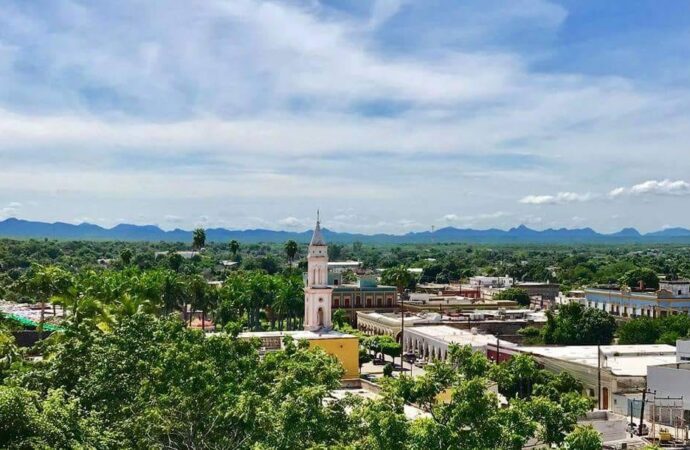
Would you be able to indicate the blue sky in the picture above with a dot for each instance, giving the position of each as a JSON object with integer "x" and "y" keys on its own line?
{"x": 388, "y": 115}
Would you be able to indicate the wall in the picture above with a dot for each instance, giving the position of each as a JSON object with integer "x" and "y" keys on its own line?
{"x": 668, "y": 381}
{"x": 346, "y": 349}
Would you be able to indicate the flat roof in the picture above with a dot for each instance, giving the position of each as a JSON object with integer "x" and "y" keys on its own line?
{"x": 624, "y": 360}
{"x": 452, "y": 335}
{"x": 394, "y": 318}
{"x": 297, "y": 334}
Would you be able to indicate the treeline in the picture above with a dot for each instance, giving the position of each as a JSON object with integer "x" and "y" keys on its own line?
{"x": 661, "y": 330}
{"x": 151, "y": 382}
{"x": 572, "y": 266}
{"x": 246, "y": 299}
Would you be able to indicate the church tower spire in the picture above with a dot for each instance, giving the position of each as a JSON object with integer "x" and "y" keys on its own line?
{"x": 317, "y": 293}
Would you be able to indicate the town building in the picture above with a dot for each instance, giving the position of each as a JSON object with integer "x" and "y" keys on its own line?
{"x": 623, "y": 368}
{"x": 670, "y": 388}
{"x": 492, "y": 282}
{"x": 345, "y": 347}
{"x": 450, "y": 290}
{"x": 390, "y": 324}
{"x": 317, "y": 314}
{"x": 342, "y": 266}
{"x": 543, "y": 295}
{"x": 672, "y": 297}
{"x": 185, "y": 254}
{"x": 503, "y": 322}
{"x": 432, "y": 342}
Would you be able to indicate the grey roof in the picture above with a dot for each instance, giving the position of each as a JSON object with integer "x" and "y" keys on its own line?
{"x": 317, "y": 237}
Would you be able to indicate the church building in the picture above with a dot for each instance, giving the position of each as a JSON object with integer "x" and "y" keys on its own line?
{"x": 318, "y": 326}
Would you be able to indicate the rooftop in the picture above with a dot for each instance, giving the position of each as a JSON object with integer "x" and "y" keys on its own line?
{"x": 344, "y": 263}
{"x": 296, "y": 334}
{"x": 623, "y": 360}
{"x": 394, "y": 318}
{"x": 452, "y": 335}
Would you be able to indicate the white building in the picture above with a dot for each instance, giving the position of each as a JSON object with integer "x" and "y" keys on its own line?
{"x": 671, "y": 386}
{"x": 432, "y": 342}
{"x": 491, "y": 282}
{"x": 317, "y": 293}
{"x": 623, "y": 367}
{"x": 342, "y": 266}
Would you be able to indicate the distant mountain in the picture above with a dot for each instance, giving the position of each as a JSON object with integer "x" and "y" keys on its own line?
{"x": 671, "y": 232}
{"x": 24, "y": 229}
{"x": 627, "y": 232}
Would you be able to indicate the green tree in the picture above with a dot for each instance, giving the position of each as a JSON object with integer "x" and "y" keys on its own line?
{"x": 199, "y": 238}
{"x": 234, "y": 248}
{"x": 126, "y": 256}
{"x": 583, "y": 438}
{"x": 644, "y": 275}
{"x": 574, "y": 324}
{"x": 339, "y": 318}
{"x": 42, "y": 283}
{"x": 518, "y": 295}
{"x": 398, "y": 276}
{"x": 291, "y": 248}
{"x": 642, "y": 330}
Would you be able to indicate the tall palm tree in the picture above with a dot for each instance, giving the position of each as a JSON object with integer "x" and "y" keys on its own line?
{"x": 199, "y": 238}
{"x": 42, "y": 283}
{"x": 173, "y": 292}
{"x": 234, "y": 248}
{"x": 401, "y": 278}
{"x": 198, "y": 297}
{"x": 291, "y": 249}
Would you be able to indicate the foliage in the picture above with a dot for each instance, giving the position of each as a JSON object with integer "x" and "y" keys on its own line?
{"x": 531, "y": 335}
{"x": 399, "y": 276}
{"x": 583, "y": 438}
{"x": 644, "y": 275}
{"x": 518, "y": 295}
{"x": 576, "y": 325}
{"x": 152, "y": 383}
{"x": 199, "y": 238}
{"x": 661, "y": 330}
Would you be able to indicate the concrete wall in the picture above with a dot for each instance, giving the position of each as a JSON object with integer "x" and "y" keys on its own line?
{"x": 670, "y": 382}
{"x": 346, "y": 350}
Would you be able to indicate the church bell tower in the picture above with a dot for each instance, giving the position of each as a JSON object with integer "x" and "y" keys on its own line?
{"x": 317, "y": 293}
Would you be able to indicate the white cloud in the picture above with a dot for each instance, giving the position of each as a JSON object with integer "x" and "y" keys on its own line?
{"x": 558, "y": 199}
{"x": 654, "y": 187}
{"x": 295, "y": 103}
{"x": 291, "y": 222}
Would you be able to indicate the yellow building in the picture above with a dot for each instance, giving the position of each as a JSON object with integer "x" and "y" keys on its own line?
{"x": 345, "y": 347}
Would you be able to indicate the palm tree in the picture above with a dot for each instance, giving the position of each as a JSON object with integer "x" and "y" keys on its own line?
{"x": 198, "y": 288}
{"x": 199, "y": 239}
{"x": 401, "y": 278}
{"x": 44, "y": 282}
{"x": 291, "y": 249}
{"x": 234, "y": 248}
{"x": 174, "y": 292}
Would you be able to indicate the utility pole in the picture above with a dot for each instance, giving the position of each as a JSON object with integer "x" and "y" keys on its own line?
{"x": 644, "y": 400}
{"x": 402, "y": 328}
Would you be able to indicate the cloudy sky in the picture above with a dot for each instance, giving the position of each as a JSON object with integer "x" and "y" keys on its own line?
{"x": 388, "y": 115}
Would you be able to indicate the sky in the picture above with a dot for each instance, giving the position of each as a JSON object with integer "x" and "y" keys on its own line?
{"x": 387, "y": 115}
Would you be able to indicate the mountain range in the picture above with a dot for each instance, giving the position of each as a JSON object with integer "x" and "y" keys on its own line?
{"x": 24, "y": 229}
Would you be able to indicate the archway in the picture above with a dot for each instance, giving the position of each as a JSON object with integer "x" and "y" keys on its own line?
{"x": 319, "y": 317}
